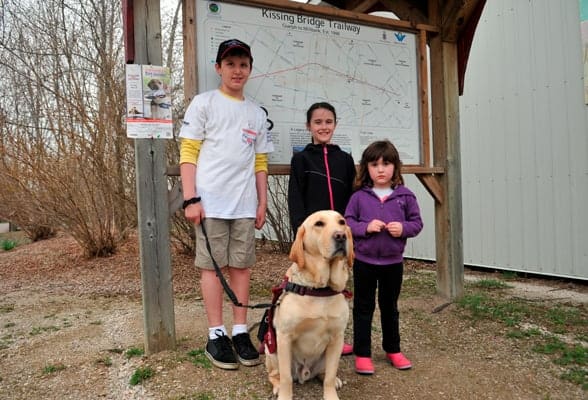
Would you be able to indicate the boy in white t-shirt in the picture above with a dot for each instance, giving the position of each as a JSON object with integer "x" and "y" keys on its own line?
{"x": 223, "y": 166}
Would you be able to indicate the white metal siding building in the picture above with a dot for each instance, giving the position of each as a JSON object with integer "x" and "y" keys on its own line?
{"x": 524, "y": 144}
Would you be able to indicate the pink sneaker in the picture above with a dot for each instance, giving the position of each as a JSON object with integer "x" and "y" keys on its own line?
{"x": 347, "y": 349}
{"x": 364, "y": 365}
{"x": 399, "y": 361}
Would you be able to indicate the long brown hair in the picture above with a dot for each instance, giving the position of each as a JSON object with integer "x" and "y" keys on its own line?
{"x": 380, "y": 149}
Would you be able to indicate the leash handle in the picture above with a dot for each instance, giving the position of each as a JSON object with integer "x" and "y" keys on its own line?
{"x": 222, "y": 279}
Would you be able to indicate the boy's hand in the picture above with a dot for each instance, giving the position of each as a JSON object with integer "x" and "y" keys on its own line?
{"x": 194, "y": 213}
{"x": 260, "y": 217}
{"x": 394, "y": 228}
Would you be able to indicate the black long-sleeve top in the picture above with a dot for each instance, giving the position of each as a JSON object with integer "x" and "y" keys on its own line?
{"x": 308, "y": 189}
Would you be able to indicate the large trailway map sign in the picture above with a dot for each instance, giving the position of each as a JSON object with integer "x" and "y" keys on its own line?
{"x": 369, "y": 74}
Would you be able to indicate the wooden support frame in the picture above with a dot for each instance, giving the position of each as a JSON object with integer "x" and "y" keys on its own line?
{"x": 441, "y": 176}
{"x": 152, "y": 210}
{"x": 448, "y": 209}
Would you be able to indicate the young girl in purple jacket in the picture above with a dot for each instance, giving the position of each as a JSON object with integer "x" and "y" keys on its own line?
{"x": 382, "y": 214}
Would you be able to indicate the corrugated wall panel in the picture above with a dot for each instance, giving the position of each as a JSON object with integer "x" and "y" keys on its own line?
{"x": 524, "y": 137}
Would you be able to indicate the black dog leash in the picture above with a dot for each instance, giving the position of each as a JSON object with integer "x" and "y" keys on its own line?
{"x": 224, "y": 282}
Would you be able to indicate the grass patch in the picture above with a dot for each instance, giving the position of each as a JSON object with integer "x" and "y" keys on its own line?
{"x": 37, "y": 330}
{"x": 134, "y": 352}
{"x": 523, "y": 333}
{"x": 579, "y": 376}
{"x": 53, "y": 368}
{"x": 419, "y": 284}
{"x": 8, "y": 244}
{"x": 105, "y": 361}
{"x": 141, "y": 374}
{"x": 509, "y": 275}
{"x": 199, "y": 359}
{"x": 491, "y": 284}
{"x": 484, "y": 307}
{"x": 550, "y": 325}
{"x": 6, "y": 308}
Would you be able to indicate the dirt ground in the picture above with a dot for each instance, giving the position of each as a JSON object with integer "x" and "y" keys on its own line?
{"x": 80, "y": 316}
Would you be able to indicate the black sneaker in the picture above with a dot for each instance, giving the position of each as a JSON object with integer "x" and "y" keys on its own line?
{"x": 220, "y": 352}
{"x": 246, "y": 352}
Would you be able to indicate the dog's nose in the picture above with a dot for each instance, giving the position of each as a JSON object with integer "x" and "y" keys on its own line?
{"x": 339, "y": 236}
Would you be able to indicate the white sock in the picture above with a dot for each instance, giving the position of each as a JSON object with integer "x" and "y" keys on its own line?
{"x": 239, "y": 328}
{"x": 216, "y": 331}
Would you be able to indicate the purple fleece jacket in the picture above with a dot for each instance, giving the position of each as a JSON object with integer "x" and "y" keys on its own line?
{"x": 382, "y": 248}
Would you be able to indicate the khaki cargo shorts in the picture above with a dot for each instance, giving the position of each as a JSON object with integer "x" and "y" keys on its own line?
{"x": 232, "y": 242}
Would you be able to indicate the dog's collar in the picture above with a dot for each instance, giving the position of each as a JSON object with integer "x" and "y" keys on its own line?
{"x": 309, "y": 291}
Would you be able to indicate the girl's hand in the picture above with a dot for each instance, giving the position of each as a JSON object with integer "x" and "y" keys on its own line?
{"x": 394, "y": 228}
{"x": 375, "y": 226}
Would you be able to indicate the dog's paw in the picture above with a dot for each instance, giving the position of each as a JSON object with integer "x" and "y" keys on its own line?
{"x": 338, "y": 383}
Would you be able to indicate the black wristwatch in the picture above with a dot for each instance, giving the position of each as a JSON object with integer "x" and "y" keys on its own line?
{"x": 193, "y": 200}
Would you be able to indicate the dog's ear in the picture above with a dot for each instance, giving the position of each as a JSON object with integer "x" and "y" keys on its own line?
{"x": 297, "y": 250}
{"x": 350, "y": 252}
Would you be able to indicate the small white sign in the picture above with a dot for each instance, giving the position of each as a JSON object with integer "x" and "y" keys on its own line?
{"x": 149, "y": 106}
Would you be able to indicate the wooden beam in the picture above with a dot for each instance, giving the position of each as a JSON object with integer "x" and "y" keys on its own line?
{"x": 152, "y": 207}
{"x": 432, "y": 184}
{"x": 190, "y": 64}
{"x": 446, "y": 153}
{"x": 360, "y": 6}
{"x": 464, "y": 43}
{"x": 423, "y": 69}
{"x": 455, "y": 17}
{"x": 406, "y": 10}
{"x": 338, "y": 13}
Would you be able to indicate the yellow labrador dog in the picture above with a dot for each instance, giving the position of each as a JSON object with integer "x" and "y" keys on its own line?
{"x": 312, "y": 312}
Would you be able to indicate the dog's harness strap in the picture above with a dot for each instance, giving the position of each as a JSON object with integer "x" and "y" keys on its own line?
{"x": 269, "y": 337}
{"x": 309, "y": 291}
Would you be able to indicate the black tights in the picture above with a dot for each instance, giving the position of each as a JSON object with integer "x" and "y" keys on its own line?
{"x": 387, "y": 280}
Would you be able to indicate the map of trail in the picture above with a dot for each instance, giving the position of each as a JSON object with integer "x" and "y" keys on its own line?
{"x": 368, "y": 74}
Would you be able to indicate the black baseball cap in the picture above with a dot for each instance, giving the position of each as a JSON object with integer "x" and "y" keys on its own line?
{"x": 232, "y": 44}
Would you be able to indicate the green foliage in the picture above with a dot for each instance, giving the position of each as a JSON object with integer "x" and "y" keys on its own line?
{"x": 491, "y": 284}
{"x": 141, "y": 374}
{"x": 6, "y": 308}
{"x": 37, "y": 330}
{"x": 484, "y": 303}
{"x": 106, "y": 361}
{"x": 523, "y": 333}
{"x": 509, "y": 275}
{"x": 52, "y": 368}
{"x": 576, "y": 375}
{"x": 8, "y": 244}
{"x": 199, "y": 359}
{"x": 418, "y": 284}
{"x": 134, "y": 352}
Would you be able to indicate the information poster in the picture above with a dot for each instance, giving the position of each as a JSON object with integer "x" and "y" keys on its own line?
{"x": 369, "y": 74}
{"x": 149, "y": 107}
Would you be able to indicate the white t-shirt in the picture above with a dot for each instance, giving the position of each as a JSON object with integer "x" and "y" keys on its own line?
{"x": 232, "y": 132}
